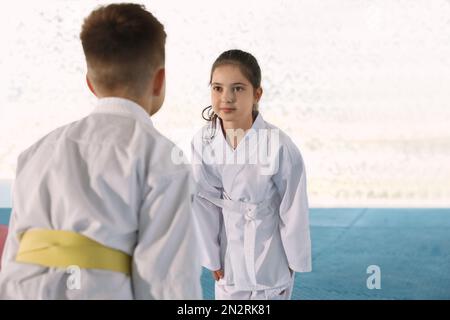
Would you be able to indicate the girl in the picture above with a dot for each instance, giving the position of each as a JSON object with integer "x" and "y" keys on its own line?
{"x": 250, "y": 206}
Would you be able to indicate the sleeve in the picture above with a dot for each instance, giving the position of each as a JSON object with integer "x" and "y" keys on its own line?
{"x": 12, "y": 242}
{"x": 207, "y": 216}
{"x": 165, "y": 260}
{"x": 294, "y": 211}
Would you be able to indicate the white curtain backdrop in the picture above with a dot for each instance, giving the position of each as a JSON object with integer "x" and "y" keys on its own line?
{"x": 362, "y": 87}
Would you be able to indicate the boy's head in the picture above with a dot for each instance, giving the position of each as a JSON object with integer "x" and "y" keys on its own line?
{"x": 124, "y": 47}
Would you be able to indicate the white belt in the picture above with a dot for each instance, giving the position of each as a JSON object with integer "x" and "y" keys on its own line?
{"x": 250, "y": 212}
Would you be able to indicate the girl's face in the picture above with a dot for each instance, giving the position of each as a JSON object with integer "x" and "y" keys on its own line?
{"x": 232, "y": 95}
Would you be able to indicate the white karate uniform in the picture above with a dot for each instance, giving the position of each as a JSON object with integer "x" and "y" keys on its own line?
{"x": 230, "y": 292}
{"x": 109, "y": 177}
{"x": 251, "y": 216}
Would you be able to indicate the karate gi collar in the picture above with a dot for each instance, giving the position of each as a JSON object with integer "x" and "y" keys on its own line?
{"x": 124, "y": 107}
{"x": 258, "y": 124}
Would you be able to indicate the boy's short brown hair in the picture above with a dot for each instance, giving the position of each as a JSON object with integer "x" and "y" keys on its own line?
{"x": 123, "y": 45}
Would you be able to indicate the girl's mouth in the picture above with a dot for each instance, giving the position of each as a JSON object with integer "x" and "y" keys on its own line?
{"x": 227, "y": 110}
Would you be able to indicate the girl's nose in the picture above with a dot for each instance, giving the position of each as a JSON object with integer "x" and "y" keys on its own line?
{"x": 228, "y": 96}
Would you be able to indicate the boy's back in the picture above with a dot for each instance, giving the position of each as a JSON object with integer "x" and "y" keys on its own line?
{"x": 100, "y": 210}
{"x": 109, "y": 177}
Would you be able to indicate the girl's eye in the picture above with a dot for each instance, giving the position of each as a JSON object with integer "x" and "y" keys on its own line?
{"x": 217, "y": 89}
{"x": 238, "y": 89}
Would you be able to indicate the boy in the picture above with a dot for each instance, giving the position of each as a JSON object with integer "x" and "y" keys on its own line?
{"x": 99, "y": 210}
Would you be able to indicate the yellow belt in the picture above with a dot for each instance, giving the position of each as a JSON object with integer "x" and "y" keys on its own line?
{"x": 61, "y": 249}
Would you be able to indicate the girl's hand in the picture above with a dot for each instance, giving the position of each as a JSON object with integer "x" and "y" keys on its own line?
{"x": 218, "y": 274}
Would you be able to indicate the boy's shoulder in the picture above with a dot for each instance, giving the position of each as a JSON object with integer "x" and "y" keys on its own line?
{"x": 136, "y": 138}
{"x": 48, "y": 139}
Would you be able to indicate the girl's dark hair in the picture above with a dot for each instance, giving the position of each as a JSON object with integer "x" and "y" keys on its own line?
{"x": 249, "y": 67}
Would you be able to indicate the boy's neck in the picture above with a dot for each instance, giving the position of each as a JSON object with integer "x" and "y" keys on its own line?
{"x": 143, "y": 103}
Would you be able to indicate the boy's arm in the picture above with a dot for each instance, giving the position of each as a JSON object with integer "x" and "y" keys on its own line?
{"x": 165, "y": 263}
{"x": 207, "y": 216}
{"x": 294, "y": 211}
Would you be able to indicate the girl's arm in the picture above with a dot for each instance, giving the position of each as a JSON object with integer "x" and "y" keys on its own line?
{"x": 294, "y": 212}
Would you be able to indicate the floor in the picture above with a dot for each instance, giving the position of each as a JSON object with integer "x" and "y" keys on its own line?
{"x": 411, "y": 247}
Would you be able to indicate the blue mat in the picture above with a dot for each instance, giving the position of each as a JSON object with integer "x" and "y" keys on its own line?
{"x": 410, "y": 246}
{"x": 4, "y": 215}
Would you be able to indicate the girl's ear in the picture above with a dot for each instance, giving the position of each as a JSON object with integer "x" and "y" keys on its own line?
{"x": 89, "y": 84}
{"x": 258, "y": 94}
{"x": 158, "y": 81}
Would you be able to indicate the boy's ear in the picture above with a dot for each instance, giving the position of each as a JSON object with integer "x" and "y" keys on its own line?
{"x": 158, "y": 81}
{"x": 89, "y": 84}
